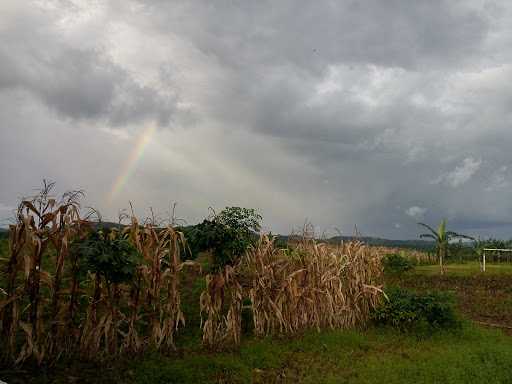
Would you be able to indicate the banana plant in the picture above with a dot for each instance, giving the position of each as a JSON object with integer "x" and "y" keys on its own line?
{"x": 442, "y": 238}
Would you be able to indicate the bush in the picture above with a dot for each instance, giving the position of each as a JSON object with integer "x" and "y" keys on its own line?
{"x": 395, "y": 263}
{"x": 110, "y": 255}
{"x": 411, "y": 311}
{"x": 227, "y": 235}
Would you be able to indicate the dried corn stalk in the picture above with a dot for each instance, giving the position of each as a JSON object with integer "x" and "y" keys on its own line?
{"x": 316, "y": 286}
{"x": 221, "y": 302}
{"x": 52, "y": 305}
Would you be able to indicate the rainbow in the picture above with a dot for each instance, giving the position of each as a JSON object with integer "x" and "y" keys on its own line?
{"x": 131, "y": 163}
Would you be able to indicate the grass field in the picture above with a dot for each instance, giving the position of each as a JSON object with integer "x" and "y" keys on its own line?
{"x": 374, "y": 356}
{"x": 471, "y": 355}
{"x": 466, "y": 269}
{"x": 474, "y": 354}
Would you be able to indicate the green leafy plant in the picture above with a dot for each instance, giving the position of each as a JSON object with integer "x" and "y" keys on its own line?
{"x": 442, "y": 237}
{"x": 110, "y": 255}
{"x": 411, "y": 311}
{"x": 227, "y": 235}
{"x": 396, "y": 263}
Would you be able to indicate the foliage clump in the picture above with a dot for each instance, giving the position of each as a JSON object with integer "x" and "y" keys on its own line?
{"x": 395, "y": 263}
{"x": 227, "y": 234}
{"x": 111, "y": 255}
{"x": 410, "y": 311}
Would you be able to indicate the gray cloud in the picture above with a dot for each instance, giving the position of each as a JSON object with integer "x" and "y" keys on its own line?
{"x": 312, "y": 35}
{"x": 341, "y": 112}
{"x": 461, "y": 174}
{"x": 77, "y": 79}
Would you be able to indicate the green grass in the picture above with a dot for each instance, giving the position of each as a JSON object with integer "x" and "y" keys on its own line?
{"x": 466, "y": 269}
{"x": 374, "y": 356}
{"x": 377, "y": 355}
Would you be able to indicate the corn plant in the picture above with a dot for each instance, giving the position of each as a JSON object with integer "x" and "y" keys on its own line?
{"x": 316, "y": 286}
{"x": 73, "y": 289}
{"x": 221, "y": 303}
{"x": 43, "y": 225}
{"x": 313, "y": 286}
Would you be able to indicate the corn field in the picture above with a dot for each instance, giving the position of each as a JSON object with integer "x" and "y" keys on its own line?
{"x": 419, "y": 257}
{"x": 314, "y": 286}
{"x": 54, "y": 302}
{"x": 52, "y": 305}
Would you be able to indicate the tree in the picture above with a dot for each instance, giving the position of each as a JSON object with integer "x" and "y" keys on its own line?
{"x": 227, "y": 235}
{"x": 244, "y": 221}
{"x": 442, "y": 237}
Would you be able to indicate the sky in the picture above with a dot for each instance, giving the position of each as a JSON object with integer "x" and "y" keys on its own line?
{"x": 372, "y": 113}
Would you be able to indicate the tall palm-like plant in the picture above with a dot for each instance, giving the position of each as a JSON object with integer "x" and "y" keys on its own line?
{"x": 442, "y": 237}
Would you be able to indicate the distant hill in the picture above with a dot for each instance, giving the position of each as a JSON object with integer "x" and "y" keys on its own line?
{"x": 411, "y": 244}
{"x": 4, "y": 233}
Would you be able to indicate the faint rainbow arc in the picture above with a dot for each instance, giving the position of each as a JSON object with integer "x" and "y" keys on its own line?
{"x": 131, "y": 163}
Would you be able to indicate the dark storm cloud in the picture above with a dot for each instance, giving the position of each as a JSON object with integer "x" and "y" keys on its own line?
{"x": 380, "y": 113}
{"x": 480, "y": 224}
{"x": 313, "y": 34}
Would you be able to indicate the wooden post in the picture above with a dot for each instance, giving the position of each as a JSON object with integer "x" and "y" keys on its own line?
{"x": 483, "y": 264}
